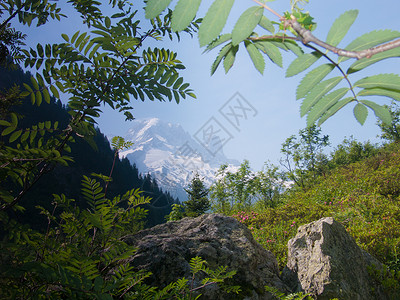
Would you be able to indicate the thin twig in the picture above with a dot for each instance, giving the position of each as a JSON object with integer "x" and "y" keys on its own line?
{"x": 268, "y": 8}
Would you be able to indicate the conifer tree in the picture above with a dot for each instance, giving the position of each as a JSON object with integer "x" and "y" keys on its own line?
{"x": 198, "y": 202}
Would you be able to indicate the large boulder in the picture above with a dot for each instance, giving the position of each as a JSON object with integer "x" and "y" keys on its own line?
{"x": 166, "y": 249}
{"x": 324, "y": 260}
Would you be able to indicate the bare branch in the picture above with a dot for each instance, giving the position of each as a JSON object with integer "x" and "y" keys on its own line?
{"x": 306, "y": 37}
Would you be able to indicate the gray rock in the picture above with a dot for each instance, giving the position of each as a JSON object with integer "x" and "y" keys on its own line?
{"x": 166, "y": 249}
{"x": 324, "y": 260}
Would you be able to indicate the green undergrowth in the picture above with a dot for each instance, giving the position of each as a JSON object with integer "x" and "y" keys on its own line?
{"x": 363, "y": 196}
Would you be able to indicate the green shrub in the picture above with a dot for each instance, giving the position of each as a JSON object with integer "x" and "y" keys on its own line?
{"x": 82, "y": 254}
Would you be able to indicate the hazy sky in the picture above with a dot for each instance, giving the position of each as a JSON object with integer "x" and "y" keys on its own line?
{"x": 272, "y": 113}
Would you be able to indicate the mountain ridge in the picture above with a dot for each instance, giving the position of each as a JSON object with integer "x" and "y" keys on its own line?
{"x": 171, "y": 155}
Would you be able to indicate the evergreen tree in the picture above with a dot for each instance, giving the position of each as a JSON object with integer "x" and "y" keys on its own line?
{"x": 198, "y": 203}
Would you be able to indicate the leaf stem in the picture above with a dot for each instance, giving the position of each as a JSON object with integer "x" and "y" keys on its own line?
{"x": 336, "y": 66}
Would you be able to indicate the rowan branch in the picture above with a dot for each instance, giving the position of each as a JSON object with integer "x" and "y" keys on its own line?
{"x": 307, "y": 37}
{"x": 273, "y": 37}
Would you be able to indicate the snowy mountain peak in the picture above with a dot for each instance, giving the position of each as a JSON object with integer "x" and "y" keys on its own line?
{"x": 170, "y": 155}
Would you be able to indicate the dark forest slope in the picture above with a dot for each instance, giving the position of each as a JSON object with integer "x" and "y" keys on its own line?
{"x": 87, "y": 160}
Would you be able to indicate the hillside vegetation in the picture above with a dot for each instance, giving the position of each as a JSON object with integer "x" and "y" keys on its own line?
{"x": 364, "y": 196}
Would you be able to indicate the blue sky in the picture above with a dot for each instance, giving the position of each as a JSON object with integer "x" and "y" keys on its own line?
{"x": 273, "y": 113}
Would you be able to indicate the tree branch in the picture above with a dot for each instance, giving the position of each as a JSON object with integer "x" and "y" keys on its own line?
{"x": 274, "y": 37}
{"x": 306, "y": 37}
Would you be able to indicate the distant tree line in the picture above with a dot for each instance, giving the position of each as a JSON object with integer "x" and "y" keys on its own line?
{"x": 87, "y": 159}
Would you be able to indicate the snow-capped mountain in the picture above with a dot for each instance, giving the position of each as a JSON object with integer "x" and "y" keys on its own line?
{"x": 171, "y": 155}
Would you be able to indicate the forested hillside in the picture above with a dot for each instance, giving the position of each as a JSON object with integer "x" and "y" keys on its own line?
{"x": 363, "y": 195}
{"x": 87, "y": 159}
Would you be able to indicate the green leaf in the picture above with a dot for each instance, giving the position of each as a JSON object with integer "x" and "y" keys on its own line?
{"x": 317, "y": 93}
{"x": 65, "y": 37}
{"x": 8, "y": 130}
{"x": 220, "y": 40}
{"x": 272, "y": 52}
{"x": 256, "y": 57}
{"x": 107, "y": 22}
{"x": 323, "y": 105}
{"x": 370, "y": 40}
{"x": 46, "y": 95}
{"x": 340, "y": 27}
{"x": 365, "y": 62}
{"x": 246, "y": 23}
{"x": 34, "y": 83}
{"x": 172, "y": 79}
{"x": 312, "y": 79}
{"x": 361, "y": 113}
{"x": 230, "y": 58}
{"x": 28, "y": 87}
{"x": 80, "y": 39}
{"x": 214, "y": 21}
{"x": 74, "y": 37}
{"x": 178, "y": 83}
{"x": 38, "y": 98}
{"x": 24, "y": 136}
{"x": 294, "y": 47}
{"x": 380, "y": 111}
{"x": 393, "y": 94}
{"x": 55, "y": 91}
{"x": 334, "y": 109}
{"x": 301, "y": 63}
{"x": 15, "y": 135}
{"x": 222, "y": 53}
{"x": 386, "y": 81}
{"x": 184, "y": 13}
{"x": 14, "y": 119}
{"x": 4, "y": 123}
{"x": 40, "y": 50}
{"x": 266, "y": 24}
{"x": 155, "y": 7}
